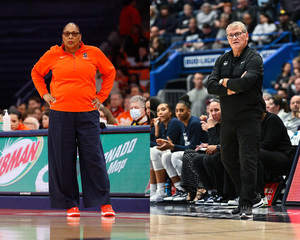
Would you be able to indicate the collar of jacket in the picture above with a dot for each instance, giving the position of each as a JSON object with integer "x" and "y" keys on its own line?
{"x": 81, "y": 44}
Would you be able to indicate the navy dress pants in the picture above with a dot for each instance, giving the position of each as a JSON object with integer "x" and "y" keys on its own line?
{"x": 69, "y": 131}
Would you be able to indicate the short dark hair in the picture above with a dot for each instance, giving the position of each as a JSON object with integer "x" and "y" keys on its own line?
{"x": 15, "y": 112}
{"x": 35, "y": 98}
{"x": 72, "y": 23}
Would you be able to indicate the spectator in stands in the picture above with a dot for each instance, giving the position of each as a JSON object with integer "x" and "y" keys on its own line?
{"x": 135, "y": 90}
{"x": 193, "y": 36}
{"x": 184, "y": 19}
{"x": 32, "y": 123}
{"x": 196, "y": 4}
{"x": 209, "y": 34}
{"x": 34, "y": 101}
{"x": 295, "y": 73}
{"x": 154, "y": 32}
{"x": 166, "y": 126}
{"x": 166, "y": 24}
{"x": 198, "y": 96}
{"x": 206, "y": 15}
{"x": 16, "y": 121}
{"x": 156, "y": 48}
{"x": 297, "y": 86}
{"x": 175, "y": 6}
{"x": 294, "y": 84}
{"x": 133, "y": 41}
{"x": 291, "y": 120}
{"x": 124, "y": 119}
{"x": 283, "y": 78}
{"x": 276, "y": 153}
{"x": 249, "y": 22}
{"x": 133, "y": 80}
{"x": 242, "y": 8}
{"x": 292, "y": 9}
{"x": 142, "y": 60}
{"x": 138, "y": 111}
{"x": 38, "y": 114}
{"x": 221, "y": 25}
{"x": 282, "y": 92}
{"x": 265, "y": 26}
{"x": 106, "y": 117}
{"x": 157, "y": 43}
{"x": 116, "y": 101}
{"x": 129, "y": 16}
{"x": 45, "y": 120}
{"x": 158, "y": 3}
{"x": 278, "y": 106}
{"x": 153, "y": 15}
{"x": 146, "y": 95}
{"x": 296, "y": 63}
{"x": 286, "y": 25}
{"x": 29, "y": 112}
{"x": 227, "y": 9}
{"x": 147, "y": 106}
{"x": 192, "y": 134}
{"x": 22, "y": 107}
{"x": 266, "y": 96}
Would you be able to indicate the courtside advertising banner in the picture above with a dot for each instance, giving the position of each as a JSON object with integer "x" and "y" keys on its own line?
{"x": 24, "y": 163}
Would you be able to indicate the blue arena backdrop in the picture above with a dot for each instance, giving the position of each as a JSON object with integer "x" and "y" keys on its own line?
{"x": 24, "y": 161}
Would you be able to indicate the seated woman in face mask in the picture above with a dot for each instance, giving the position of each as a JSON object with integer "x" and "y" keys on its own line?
{"x": 137, "y": 111}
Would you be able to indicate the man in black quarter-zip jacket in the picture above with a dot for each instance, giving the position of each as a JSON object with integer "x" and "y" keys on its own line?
{"x": 237, "y": 78}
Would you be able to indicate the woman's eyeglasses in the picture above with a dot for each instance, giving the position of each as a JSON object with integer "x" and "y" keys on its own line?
{"x": 237, "y": 35}
{"x": 74, "y": 34}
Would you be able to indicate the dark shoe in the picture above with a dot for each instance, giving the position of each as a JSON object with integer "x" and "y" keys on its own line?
{"x": 211, "y": 199}
{"x": 203, "y": 198}
{"x": 246, "y": 213}
{"x": 258, "y": 201}
{"x": 218, "y": 200}
{"x": 236, "y": 210}
{"x": 171, "y": 198}
{"x": 181, "y": 197}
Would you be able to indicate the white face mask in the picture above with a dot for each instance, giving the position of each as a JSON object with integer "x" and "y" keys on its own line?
{"x": 135, "y": 113}
{"x": 103, "y": 120}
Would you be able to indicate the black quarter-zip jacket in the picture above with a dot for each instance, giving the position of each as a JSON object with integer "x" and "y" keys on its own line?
{"x": 248, "y": 101}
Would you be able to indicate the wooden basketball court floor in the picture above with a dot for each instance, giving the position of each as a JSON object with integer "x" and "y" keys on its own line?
{"x": 16, "y": 224}
{"x": 186, "y": 221}
{"x": 166, "y": 221}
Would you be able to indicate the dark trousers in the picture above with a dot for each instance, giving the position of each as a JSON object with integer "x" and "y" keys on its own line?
{"x": 210, "y": 170}
{"x": 273, "y": 163}
{"x": 69, "y": 131}
{"x": 239, "y": 149}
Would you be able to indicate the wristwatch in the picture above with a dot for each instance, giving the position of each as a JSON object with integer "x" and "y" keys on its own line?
{"x": 221, "y": 81}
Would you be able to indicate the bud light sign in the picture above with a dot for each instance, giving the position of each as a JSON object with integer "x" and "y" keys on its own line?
{"x": 18, "y": 157}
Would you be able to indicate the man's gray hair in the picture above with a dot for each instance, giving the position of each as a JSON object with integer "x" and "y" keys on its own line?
{"x": 237, "y": 24}
{"x": 34, "y": 121}
{"x": 139, "y": 99}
